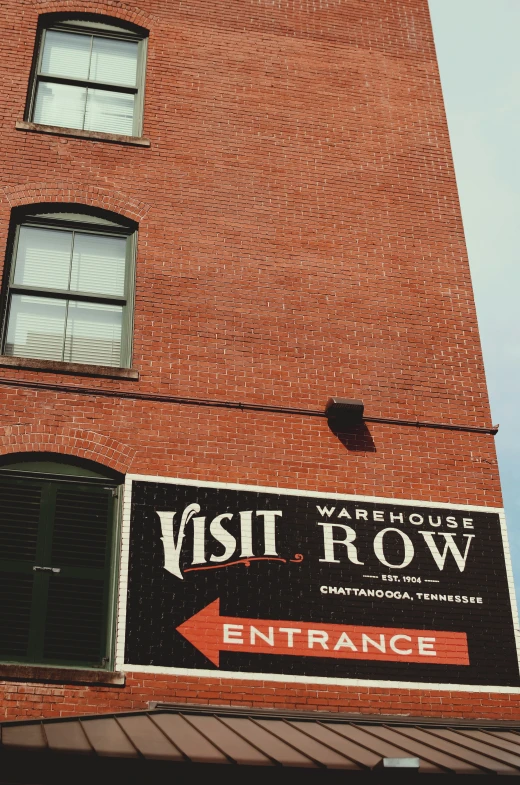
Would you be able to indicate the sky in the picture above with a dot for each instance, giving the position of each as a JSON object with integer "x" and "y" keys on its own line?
{"x": 478, "y": 50}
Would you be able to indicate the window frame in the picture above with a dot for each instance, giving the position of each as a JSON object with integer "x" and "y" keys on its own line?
{"x": 41, "y": 579}
{"x": 55, "y": 221}
{"x": 111, "y": 29}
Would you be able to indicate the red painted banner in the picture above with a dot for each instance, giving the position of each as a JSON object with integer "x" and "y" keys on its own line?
{"x": 211, "y": 633}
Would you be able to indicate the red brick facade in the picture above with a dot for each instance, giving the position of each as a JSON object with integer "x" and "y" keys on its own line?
{"x": 299, "y": 237}
{"x": 37, "y": 700}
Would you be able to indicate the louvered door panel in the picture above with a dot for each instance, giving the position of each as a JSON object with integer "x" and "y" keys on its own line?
{"x": 81, "y": 526}
{"x": 20, "y": 510}
{"x": 75, "y": 621}
{"x": 75, "y": 629}
{"x": 15, "y": 614}
{"x": 19, "y": 519}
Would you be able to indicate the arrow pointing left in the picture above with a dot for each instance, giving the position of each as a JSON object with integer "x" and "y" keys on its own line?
{"x": 211, "y": 633}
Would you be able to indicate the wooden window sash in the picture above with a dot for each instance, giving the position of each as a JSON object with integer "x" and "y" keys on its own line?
{"x": 126, "y": 301}
{"x": 93, "y": 29}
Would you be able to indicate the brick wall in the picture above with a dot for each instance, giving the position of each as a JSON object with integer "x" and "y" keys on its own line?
{"x": 299, "y": 237}
{"x": 24, "y": 701}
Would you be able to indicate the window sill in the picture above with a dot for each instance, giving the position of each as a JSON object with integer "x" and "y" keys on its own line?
{"x": 60, "y": 674}
{"x": 27, "y": 364}
{"x": 77, "y": 133}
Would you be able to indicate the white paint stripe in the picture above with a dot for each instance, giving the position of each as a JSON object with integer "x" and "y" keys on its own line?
{"x": 123, "y": 575}
{"x": 510, "y": 582}
{"x": 279, "y": 677}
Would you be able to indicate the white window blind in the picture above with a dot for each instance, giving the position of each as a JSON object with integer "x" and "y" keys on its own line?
{"x": 98, "y": 264}
{"x": 60, "y": 104}
{"x": 112, "y": 113}
{"x": 90, "y": 57}
{"x": 93, "y": 61}
{"x": 66, "y": 54}
{"x": 113, "y": 61}
{"x": 36, "y": 327}
{"x": 43, "y": 258}
{"x": 93, "y": 334}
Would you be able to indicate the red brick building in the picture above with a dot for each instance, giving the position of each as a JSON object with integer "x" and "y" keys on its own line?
{"x": 217, "y": 216}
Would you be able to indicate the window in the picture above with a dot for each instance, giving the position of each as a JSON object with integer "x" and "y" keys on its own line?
{"x": 70, "y": 289}
{"x": 56, "y": 563}
{"x": 89, "y": 76}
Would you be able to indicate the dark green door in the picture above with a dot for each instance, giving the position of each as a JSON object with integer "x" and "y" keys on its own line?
{"x": 55, "y": 567}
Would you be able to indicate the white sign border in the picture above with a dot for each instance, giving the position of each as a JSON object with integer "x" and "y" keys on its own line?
{"x": 120, "y": 664}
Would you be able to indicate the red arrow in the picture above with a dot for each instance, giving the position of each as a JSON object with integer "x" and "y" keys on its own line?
{"x": 212, "y": 633}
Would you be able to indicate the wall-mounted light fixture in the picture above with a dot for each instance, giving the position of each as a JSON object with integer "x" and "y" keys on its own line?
{"x": 344, "y": 411}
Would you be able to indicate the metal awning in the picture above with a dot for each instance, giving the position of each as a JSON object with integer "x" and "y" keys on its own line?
{"x": 182, "y": 736}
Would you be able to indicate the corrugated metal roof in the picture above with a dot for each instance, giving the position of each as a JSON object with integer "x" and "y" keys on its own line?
{"x": 267, "y": 740}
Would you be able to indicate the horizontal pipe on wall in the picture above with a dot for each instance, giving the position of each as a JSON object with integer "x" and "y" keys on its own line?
{"x": 255, "y": 407}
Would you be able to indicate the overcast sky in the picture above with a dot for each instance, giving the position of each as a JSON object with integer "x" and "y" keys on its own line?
{"x": 478, "y": 47}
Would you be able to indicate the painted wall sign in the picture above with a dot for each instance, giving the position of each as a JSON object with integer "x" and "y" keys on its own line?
{"x": 275, "y": 582}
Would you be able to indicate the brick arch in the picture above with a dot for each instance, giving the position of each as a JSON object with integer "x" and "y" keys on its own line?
{"x": 128, "y": 13}
{"x": 76, "y": 193}
{"x": 67, "y": 441}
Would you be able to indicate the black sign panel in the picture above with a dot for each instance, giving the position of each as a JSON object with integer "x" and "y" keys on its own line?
{"x": 275, "y": 583}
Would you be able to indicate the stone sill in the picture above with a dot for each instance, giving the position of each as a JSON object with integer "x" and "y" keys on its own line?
{"x": 77, "y": 133}
{"x": 60, "y": 674}
{"x": 106, "y": 371}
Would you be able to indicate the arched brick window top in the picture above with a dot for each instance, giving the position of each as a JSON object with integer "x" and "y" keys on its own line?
{"x": 88, "y": 74}
{"x": 95, "y": 17}
{"x": 71, "y": 442}
{"x": 58, "y": 464}
{"x": 116, "y": 10}
{"x": 81, "y": 195}
{"x": 74, "y": 211}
